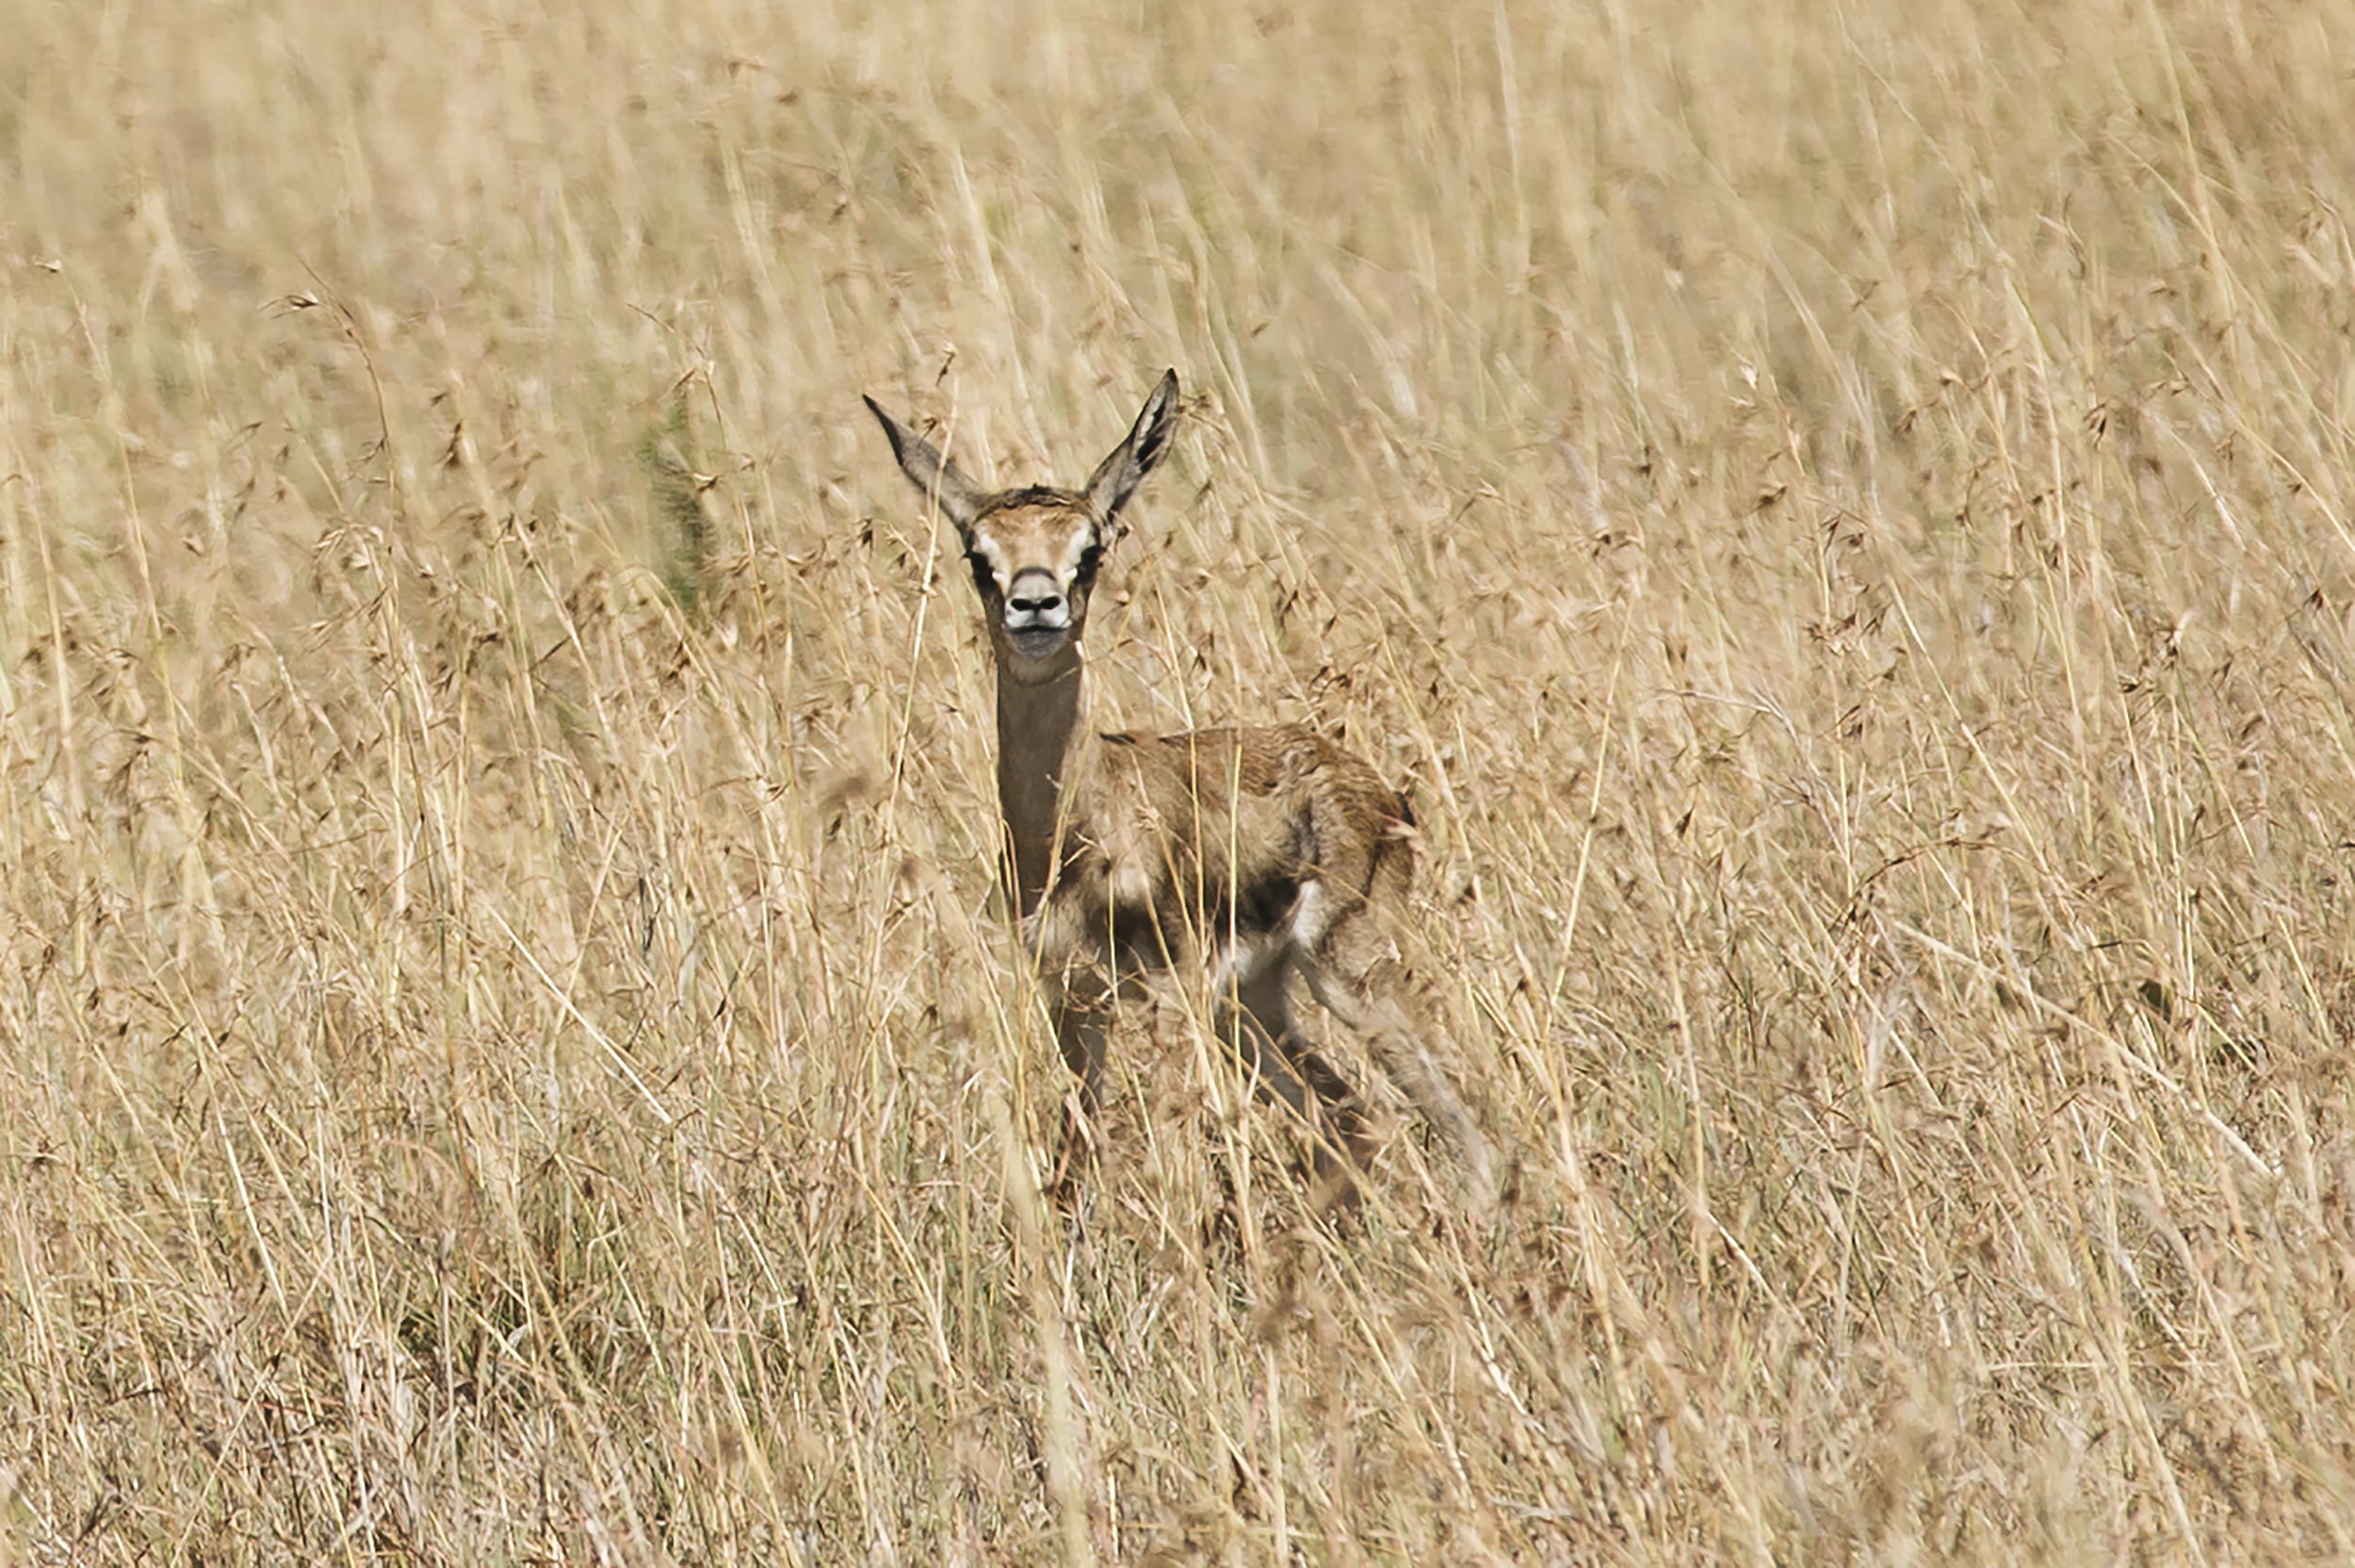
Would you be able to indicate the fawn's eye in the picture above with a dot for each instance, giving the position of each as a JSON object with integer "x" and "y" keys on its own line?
{"x": 1089, "y": 560}
{"x": 985, "y": 576}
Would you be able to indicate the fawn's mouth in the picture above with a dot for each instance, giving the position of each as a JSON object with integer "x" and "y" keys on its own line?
{"x": 1039, "y": 642}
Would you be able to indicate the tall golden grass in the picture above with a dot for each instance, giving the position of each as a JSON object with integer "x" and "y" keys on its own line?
{"x": 1839, "y": 514}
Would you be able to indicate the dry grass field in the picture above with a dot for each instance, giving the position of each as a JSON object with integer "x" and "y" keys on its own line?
{"x": 1840, "y": 516}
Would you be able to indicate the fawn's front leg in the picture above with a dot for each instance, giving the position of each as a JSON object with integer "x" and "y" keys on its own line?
{"x": 1082, "y": 1012}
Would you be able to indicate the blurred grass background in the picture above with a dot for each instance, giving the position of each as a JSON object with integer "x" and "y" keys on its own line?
{"x": 1839, "y": 516}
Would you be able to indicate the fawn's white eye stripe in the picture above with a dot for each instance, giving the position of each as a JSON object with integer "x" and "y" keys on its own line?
{"x": 988, "y": 549}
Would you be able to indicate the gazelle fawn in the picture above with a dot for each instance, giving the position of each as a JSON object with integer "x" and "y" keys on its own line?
{"x": 1244, "y": 855}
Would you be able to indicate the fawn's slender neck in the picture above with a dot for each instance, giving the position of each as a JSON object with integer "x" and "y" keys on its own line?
{"x": 1038, "y": 730}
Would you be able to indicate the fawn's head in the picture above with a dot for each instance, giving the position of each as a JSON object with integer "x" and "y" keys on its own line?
{"x": 1034, "y": 551}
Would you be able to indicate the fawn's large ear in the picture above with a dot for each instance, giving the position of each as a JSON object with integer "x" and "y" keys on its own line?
{"x": 960, "y": 499}
{"x": 1115, "y": 479}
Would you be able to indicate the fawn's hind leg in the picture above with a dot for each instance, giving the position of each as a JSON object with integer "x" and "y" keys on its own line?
{"x": 1299, "y": 1075}
{"x": 1363, "y": 983}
